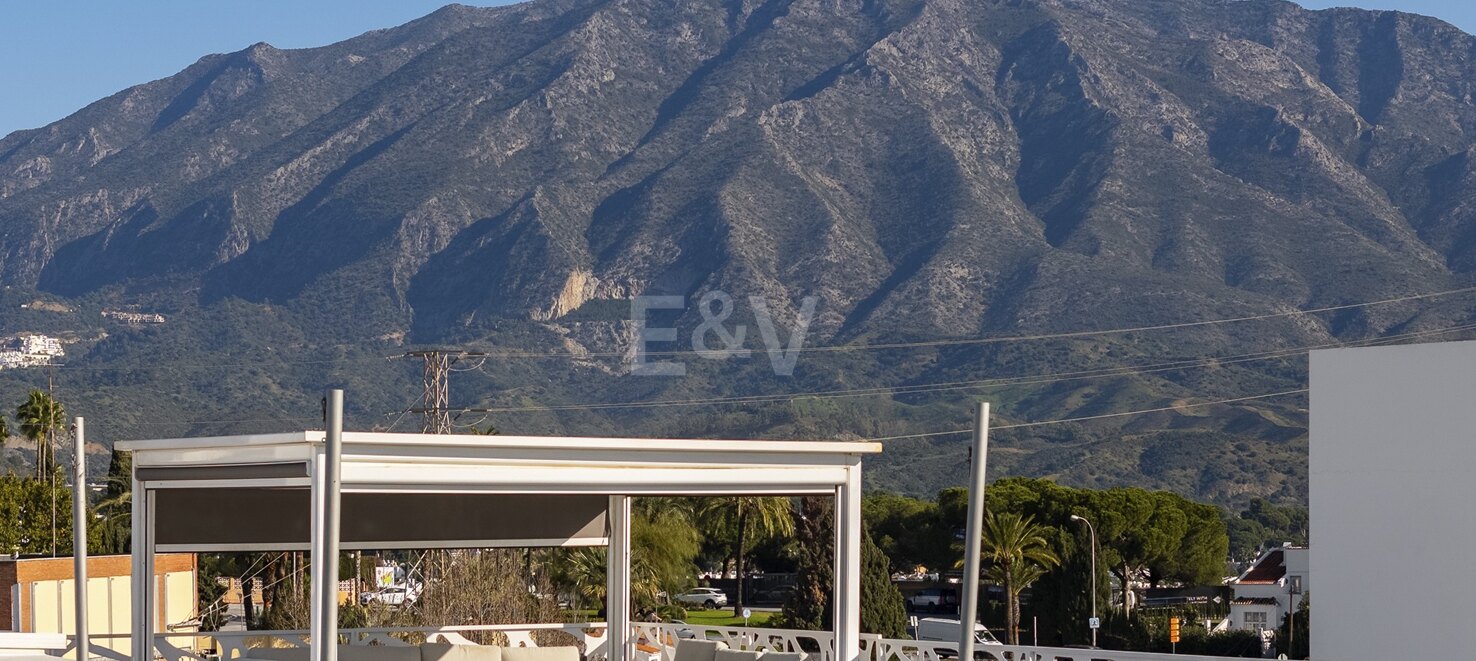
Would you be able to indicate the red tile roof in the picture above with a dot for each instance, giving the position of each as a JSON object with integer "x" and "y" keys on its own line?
{"x": 1269, "y": 569}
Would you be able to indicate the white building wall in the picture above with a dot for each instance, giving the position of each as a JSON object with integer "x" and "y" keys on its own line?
{"x": 1393, "y": 453}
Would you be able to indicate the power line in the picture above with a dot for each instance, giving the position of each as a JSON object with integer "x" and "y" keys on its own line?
{"x": 838, "y": 348}
{"x": 1213, "y": 361}
{"x": 274, "y": 359}
{"x": 219, "y": 422}
{"x": 265, "y": 361}
{"x": 1092, "y": 417}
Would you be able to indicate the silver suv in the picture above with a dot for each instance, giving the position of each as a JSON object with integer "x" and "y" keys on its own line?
{"x": 704, "y": 597}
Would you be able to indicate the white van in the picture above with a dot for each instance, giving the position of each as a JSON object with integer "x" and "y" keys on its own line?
{"x": 939, "y": 629}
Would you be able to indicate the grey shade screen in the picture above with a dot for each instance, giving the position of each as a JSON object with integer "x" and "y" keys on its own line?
{"x": 233, "y": 518}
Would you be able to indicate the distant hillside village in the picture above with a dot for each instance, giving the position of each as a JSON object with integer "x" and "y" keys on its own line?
{"x": 40, "y": 350}
{"x": 30, "y": 350}
{"x": 134, "y": 318}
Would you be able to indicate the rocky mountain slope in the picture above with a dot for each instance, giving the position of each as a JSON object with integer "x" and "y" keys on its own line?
{"x": 508, "y": 178}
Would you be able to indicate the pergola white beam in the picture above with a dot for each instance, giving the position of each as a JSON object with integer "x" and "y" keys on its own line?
{"x": 617, "y": 580}
{"x": 143, "y": 571}
{"x": 847, "y": 585}
{"x": 630, "y": 480}
{"x": 316, "y": 555}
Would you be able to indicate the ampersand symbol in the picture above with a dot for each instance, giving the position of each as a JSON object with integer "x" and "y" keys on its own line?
{"x": 712, "y": 322}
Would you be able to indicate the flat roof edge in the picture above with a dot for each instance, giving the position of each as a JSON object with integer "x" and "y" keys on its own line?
{"x": 513, "y": 442}
{"x": 283, "y": 438}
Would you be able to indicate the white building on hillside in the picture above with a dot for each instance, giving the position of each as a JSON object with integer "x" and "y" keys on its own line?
{"x": 30, "y": 350}
{"x": 1271, "y": 588}
{"x": 39, "y": 345}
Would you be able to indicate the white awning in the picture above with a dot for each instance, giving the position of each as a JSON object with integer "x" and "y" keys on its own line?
{"x": 413, "y": 491}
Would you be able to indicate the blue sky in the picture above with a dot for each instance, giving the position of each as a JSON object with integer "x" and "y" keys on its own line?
{"x": 60, "y": 55}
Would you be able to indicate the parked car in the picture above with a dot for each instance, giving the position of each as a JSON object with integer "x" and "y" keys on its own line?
{"x": 777, "y": 595}
{"x": 393, "y": 596}
{"x": 683, "y": 631}
{"x": 934, "y": 600}
{"x": 704, "y": 597}
{"x": 939, "y": 629}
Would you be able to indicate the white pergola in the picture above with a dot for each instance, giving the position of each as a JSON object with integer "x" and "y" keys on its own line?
{"x": 413, "y": 491}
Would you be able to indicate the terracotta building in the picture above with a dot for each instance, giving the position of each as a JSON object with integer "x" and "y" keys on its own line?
{"x": 37, "y": 596}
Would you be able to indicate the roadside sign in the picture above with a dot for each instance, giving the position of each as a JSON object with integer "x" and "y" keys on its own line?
{"x": 1173, "y": 630}
{"x": 1094, "y": 623}
{"x": 747, "y": 613}
{"x": 384, "y": 576}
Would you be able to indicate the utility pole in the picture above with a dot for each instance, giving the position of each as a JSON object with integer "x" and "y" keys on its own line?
{"x": 436, "y": 381}
{"x": 968, "y": 612}
{"x": 79, "y": 539}
{"x": 50, "y": 442}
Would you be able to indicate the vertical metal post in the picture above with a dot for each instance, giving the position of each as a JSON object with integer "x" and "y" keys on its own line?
{"x": 142, "y": 577}
{"x": 617, "y": 580}
{"x": 1094, "y": 621}
{"x": 837, "y": 564}
{"x": 326, "y": 498}
{"x": 847, "y": 586}
{"x": 1093, "y": 530}
{"x": 969, "y": 609}
{"x": 79, "y": 538}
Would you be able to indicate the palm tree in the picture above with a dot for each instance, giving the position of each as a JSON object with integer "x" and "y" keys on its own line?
{"x": 40, "y": 417}
{"x": 1017, "y": 552}
{"x": 582, "y": 571}
{"x": 759, "y": 517}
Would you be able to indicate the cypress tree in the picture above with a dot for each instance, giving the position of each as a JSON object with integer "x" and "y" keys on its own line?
{"x": 809, "y": 607}
{"x": 882, "y": 609}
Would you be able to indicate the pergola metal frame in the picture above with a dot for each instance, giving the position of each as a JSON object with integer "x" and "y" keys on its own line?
{"x": 618, "y": 468}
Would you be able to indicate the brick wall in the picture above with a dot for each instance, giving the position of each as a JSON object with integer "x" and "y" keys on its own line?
{"x": 34, "y": 570}
{"x": 7, "y": 592}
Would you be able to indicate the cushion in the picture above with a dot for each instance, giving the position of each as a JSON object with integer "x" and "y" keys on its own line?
{"x": 569, "y": 653}
{"x": 737, "y": 655}
{"x": 450, "y": 652}
{"x": 784, "y": 656}
{"x": 377, "y": 653}
{"x": 345, "y": 653}
{"x": 696, "y": 650}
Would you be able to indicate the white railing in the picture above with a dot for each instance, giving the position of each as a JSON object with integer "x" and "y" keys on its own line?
{"x": 876, "y": 648}
{"x": 588, "y": 637}
{"x": 18, "y": 644}
{"x": 653, "y": 641}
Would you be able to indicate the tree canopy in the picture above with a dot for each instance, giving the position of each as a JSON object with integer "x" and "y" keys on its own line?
{"x": 1153, "y": 535}
{"x": 40, "y": 418}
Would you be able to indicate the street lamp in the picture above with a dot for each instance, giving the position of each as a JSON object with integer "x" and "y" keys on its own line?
{"x": 1093, "y": 531}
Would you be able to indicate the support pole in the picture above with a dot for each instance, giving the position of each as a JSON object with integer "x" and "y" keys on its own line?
{"x": 969, "y": 609}
{"x": 324, "y": 563}
{"x": 142, "y": 571}
{"x": 617, "y": 580}
{"x": 79, "y": 539}
{"x": 847, "y": 599}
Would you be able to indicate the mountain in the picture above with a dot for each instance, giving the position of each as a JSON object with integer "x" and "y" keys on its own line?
{"x": 508, "y": 179}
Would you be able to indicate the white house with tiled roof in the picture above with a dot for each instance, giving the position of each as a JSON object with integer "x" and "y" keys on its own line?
{"x": 1272, "y": 587}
